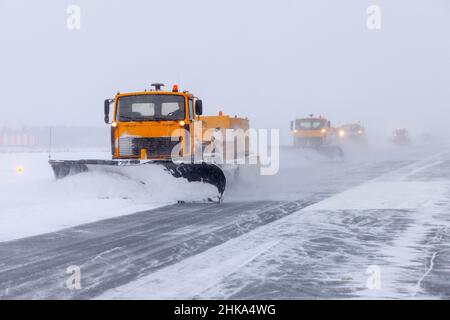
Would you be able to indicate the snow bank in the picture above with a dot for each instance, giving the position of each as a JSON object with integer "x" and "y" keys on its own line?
{"x": 33, "y": 202}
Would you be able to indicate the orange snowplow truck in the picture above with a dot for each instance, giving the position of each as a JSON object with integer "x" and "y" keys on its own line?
{"x": 150, "y": 124}
{"x": 153, "y": 126}
{"x": 316, "y": 133}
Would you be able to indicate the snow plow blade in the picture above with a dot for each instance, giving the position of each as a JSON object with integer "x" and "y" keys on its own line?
{"x": 192, "y": 172}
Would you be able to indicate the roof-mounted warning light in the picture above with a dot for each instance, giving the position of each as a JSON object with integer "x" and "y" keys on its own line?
{"x": 175, "y": 88}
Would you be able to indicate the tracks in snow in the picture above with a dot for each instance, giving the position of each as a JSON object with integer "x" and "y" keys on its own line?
{"x": 115, "y": 252}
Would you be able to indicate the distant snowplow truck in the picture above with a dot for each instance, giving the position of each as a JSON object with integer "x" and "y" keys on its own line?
{"x": 352, "y": 134}
{"x": 316, "y": 133}
{"x": 165, "y": 128}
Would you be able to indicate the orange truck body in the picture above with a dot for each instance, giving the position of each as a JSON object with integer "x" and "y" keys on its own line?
{"x": 312, "y": 132}
{"x": 165, "y": 134}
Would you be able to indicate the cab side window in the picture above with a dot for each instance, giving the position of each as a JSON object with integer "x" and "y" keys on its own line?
{"x": 191, "y": 109}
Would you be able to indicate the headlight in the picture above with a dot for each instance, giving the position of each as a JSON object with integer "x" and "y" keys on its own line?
{"x": 114, "y": 124}
{"x": 295, "y": 130}
{"x": 20, "y": 169}
{"x": 360, "y": 132}
{"x": 182, "y": 123}
{"x": 341, "y": 133}
{"x": 323, "y": 130}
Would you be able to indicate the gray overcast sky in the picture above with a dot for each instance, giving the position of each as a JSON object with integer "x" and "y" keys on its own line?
{"x": 267, "y": 60}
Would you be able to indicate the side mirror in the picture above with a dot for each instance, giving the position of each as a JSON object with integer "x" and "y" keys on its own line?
{"x": 198, "y": 107}
{"x": 292, "y": 125}
{"x": 107, "y": 104}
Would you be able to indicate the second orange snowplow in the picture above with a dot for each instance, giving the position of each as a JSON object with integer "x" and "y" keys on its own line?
{"x": 316, "y": 133}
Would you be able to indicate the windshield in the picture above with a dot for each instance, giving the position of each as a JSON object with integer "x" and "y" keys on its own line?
{"x": 309, "y": 124}
{"x": 352, "y": 128}
{"x": 151, "y": 107}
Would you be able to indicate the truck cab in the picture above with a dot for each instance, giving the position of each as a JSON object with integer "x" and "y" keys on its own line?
{"x": 351, "y": 132}
{"x": 157, "y": 124}
{"x": 401, "y": 137}
{"x": 312, "y": 132}
{"x": 149, "y": 124}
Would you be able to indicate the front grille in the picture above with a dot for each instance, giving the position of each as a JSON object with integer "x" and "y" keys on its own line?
{"x": 160, "y": 147}
{"x": 125, "y": 147}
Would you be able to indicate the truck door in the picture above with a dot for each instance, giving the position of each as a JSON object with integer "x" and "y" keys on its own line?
{"x": 190, "y": 128}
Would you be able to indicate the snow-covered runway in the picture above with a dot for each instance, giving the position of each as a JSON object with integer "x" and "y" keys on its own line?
{"x": 331, "y": 249}
{"x": 369, "y": 228}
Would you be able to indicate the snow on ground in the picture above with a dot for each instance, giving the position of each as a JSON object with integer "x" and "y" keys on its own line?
{"x": 384, "y": 195}
{"x": 321, "y": 251}
{"x": 33, "y": 202}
